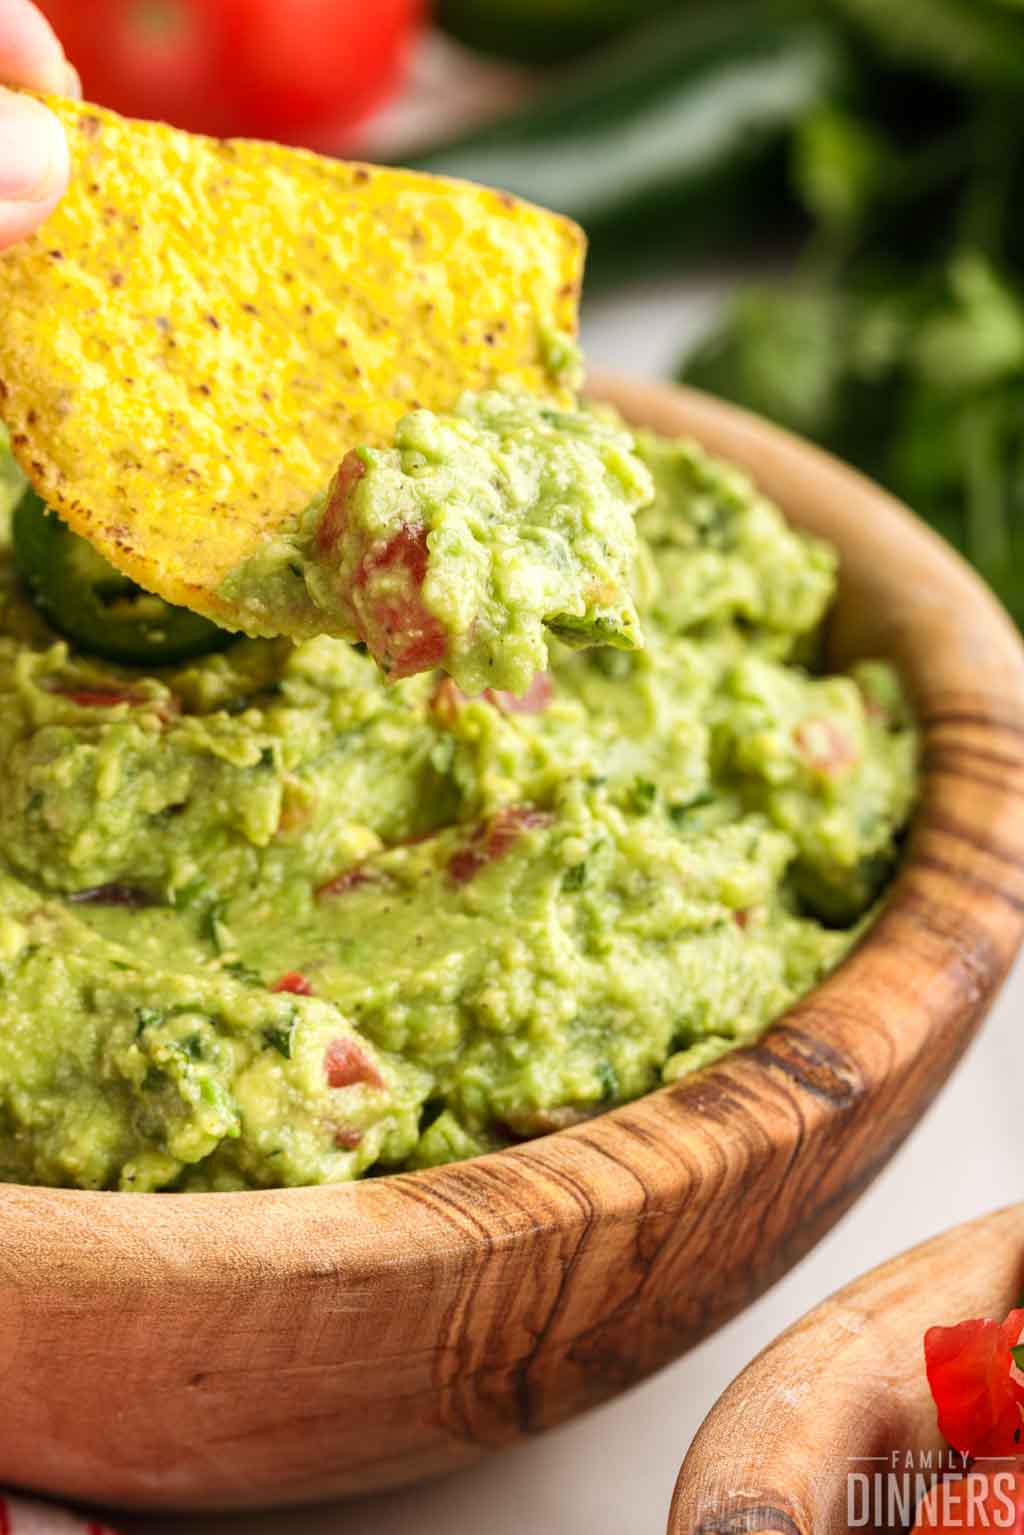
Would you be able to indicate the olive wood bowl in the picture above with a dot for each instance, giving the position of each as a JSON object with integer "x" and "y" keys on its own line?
{"x": 844, "y": 1390}
{"x": 221, "y": 1351}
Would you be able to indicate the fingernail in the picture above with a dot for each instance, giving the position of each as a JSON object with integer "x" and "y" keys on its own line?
{"x": 33, "y": 150}
{"x": 72, "y": 82}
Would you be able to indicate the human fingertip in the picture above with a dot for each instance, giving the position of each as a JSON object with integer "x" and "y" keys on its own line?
{"x": 72, "y": 82}
{"x": 19, "y": 220}
{"x": 30, "y": 50}
{"x": 34, "y": 158}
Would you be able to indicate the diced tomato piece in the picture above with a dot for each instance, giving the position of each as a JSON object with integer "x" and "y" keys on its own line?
{"x": 534, "y": 701}
{"x": 448, "y": 698}
{"x": 402, "y": 635}
{"x": 494, "y": 839}
{"x": 346, "y": 1065}
{"x": 334, "y": 521}
{"x": 984, "y": 1499}
{"x": 466, "y": 864}
{"x": 348, "y": 1138}
{"x": 109, "y": 698}
{"x": 294, "y": 982}
{"x": 508, "y": 826}
{"x": 350, "y": 879}
{"x": 824, "y": 747}
{"x": 406, "y": 549}
{"x": 383, "y": 598}
{"x": 978, "y": 1397}
{"x": 100, "y": 698}
{"x": 424, "y": 644}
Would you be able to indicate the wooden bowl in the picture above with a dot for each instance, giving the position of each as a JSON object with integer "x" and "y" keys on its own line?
{"x": 239, "y": 1350}
{"x": 843, "y": 1391}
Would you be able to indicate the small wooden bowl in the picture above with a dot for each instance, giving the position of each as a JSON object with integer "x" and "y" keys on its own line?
{"x": 843, "y": 1391}
{"x": 240, "y": 1350}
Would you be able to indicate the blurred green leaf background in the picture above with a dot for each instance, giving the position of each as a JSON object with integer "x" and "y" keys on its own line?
{"x": 880, "y": 143}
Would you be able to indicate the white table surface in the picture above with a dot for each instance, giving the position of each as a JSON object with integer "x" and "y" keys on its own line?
{"x": 612, "y": 1472}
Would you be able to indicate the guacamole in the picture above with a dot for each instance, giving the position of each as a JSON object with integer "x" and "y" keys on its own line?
{"x": 465, "y": 543}
{"x": 266, "y": 920}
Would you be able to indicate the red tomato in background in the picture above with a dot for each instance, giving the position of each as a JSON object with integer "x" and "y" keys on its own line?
{"x": 303, "y": 71}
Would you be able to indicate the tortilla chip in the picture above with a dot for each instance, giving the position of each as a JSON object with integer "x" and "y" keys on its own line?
{"x": 203, "y": 329}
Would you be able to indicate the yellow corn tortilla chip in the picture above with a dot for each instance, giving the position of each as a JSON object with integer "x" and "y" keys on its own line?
{"x": 203, "y": 329}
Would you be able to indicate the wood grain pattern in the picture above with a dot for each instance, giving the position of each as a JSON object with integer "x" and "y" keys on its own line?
{"x": 846, "y": 1382}
{"x": 230, "y": 1350}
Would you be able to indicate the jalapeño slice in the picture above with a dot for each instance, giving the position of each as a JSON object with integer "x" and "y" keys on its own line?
{"x": 102, "y": 612}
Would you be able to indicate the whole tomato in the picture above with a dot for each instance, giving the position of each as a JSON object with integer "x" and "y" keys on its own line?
{"x": 302, "y": 71}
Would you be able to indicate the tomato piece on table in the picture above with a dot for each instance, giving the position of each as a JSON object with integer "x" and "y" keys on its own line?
{"x": 977, "y": 1392}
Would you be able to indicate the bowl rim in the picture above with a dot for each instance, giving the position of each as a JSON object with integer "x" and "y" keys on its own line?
{"x": 826, "y": 1048}
{"x": 845, "y": 1384}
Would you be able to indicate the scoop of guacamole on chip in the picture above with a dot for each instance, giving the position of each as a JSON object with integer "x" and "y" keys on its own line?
{"x": 470, "y": 541}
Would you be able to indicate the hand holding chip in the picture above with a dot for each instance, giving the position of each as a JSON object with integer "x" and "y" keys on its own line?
{"x": 34, "y": 160}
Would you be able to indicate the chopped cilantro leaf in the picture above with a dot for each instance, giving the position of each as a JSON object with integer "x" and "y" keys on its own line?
{"x": 575, "y": 878}
{"x": 280, "y": 1038}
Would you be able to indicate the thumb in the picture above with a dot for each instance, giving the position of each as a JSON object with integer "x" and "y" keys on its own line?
{"x": 34, "y": 165}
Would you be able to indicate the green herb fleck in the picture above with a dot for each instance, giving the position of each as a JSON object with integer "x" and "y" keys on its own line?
{"x": 280, "y": 1039}
{"x": 209, "y": 922}
{"x": 189, "y": 895}
{"x": 147, "y": 1018}
{"x": 609, "y": 1080}
{"x": 575, "y": 878}
{"x": 243, "y": 972}
{"x": 642, "y": 795}
{"x": 681, "y": 811}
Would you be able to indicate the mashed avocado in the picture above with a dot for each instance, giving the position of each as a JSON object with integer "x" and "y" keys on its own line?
{"x": 265, "y": 920}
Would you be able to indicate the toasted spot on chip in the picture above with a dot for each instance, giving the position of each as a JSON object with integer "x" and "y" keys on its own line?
{"x": 226, "y": 320}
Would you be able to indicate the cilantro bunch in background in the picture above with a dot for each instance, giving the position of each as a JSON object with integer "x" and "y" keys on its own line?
{"x": 879, "y": 143}
{"x": 898, "y": 338}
